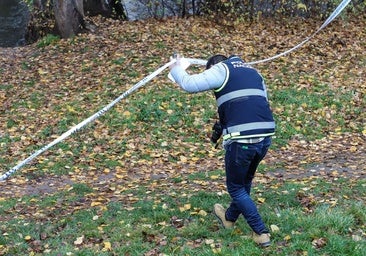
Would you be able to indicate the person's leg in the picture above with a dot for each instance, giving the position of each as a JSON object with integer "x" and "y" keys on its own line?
{"x": 261, "y": 152}
{"x": 237, "y": 162}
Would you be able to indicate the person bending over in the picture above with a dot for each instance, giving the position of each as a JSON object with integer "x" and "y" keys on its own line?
{"x": 247, "y": 124}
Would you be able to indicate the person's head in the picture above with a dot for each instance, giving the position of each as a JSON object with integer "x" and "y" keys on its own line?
{"x": 214, "y": 60}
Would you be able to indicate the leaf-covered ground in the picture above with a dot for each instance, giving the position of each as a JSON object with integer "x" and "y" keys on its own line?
{"x": 40, "y": 81}
{"x": 45, "y": 89}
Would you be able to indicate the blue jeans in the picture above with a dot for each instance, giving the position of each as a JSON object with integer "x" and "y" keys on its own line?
{"x": 241, "y": 162}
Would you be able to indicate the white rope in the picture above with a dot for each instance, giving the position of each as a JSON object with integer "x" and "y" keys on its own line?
{"x": 86, "y": 121}
{"x": 334, "y": 14}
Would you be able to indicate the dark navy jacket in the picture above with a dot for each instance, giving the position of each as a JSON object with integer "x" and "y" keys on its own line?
{"x": 243, "y": 107}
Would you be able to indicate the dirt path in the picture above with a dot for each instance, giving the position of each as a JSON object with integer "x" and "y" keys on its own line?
{"x": 333, "y": 156}
{"x": 299, "y": 160}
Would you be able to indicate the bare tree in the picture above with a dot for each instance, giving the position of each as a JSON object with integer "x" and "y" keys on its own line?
{"x": 69, "y": 15}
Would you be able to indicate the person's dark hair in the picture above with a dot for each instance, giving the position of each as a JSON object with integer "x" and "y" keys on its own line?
{"x": 214, "y": 60}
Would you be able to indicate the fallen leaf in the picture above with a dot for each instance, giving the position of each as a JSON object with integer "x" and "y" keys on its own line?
{"x": 275, "y": 228}
{"x": 79, "y": 240}
{"x": 107, "y": 246}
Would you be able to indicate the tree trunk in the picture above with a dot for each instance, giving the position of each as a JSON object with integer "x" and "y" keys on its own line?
{"x": 40, "y": 4}
{"x": 69, "y": 17}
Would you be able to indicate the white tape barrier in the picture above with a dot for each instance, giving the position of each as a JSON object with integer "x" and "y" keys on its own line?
{"x": 197, "y": 61}
{"x": 334, "y": 14}
{"x": 90, "y": 119}
{"x": 86, "y": 121}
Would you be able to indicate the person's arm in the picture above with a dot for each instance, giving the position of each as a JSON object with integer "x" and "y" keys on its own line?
{"x": 209, "y": 79}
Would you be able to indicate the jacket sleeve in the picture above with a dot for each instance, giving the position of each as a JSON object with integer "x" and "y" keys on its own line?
{"x": 207, "y": 80}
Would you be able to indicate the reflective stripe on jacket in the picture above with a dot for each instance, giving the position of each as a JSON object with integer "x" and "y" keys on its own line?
{"x": 242, "y": 102}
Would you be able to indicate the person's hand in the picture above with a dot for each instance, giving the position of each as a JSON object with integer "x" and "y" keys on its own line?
{"x": 177, "y": 62}
{"x": 180, "y": 61}
{"x": 216, "y": 132}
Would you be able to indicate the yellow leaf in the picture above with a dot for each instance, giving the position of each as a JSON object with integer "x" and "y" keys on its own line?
{"x": 287, "y": 238}
{"x": 42, "y": 72}
{"x": 338, "y": 130}
{"x": 163, "y": 223}
{"x": 79, "y": 240}
{"x": 107, "y": 246}
{"x": 119, "y": 176}
{"x": 202, "y": 213}
{"x": 275, "y": 228}
{"x": 261, "y": 199}
{"x": 95, "y": 204}
{"x": 185, "y": 207}
{"x": 209, "y": 241}
{"x": 70, "y": 109}
{"x": 126, "y": 113}
{"x": 103, "y": 208}
{"x": 353, "y": 149}
{"x": 216, "y": 250}
{"x": 183, "y": 159}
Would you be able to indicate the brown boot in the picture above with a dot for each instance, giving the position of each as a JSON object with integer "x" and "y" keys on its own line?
{"x": 262, "y": 240}
{"x": 219, "y": 211}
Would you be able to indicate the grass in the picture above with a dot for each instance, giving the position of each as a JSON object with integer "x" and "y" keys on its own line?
{"x": 47, "y": 40}
{"x": 163, "y": 223}
{"x": 311, "y": 111}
